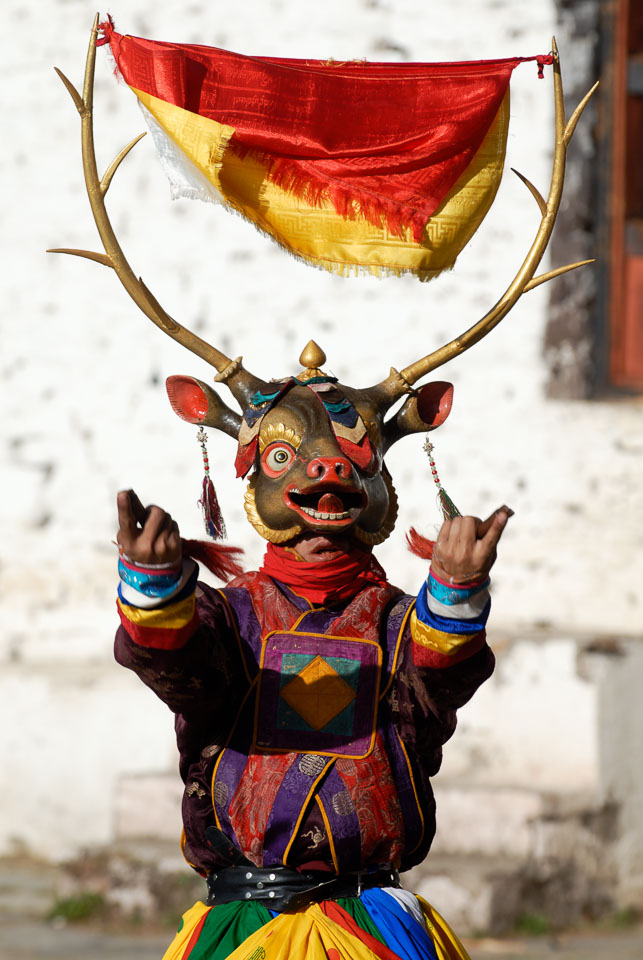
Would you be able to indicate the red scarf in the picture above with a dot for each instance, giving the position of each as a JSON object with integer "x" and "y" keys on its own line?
{"x": 324, "y": 581}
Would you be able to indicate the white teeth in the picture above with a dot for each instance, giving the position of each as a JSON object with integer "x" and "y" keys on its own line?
{"x": 317, "y": 515}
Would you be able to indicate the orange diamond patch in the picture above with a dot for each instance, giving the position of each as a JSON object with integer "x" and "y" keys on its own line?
{"x": 318, "y": 693}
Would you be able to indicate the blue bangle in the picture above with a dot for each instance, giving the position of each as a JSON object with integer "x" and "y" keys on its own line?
{"x": 449, "y": 624}
{"x": 150, "y": 584}
{"x": 453, "y": 594}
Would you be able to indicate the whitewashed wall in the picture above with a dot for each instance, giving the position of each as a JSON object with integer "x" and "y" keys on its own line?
{"x": 85, "y": 411}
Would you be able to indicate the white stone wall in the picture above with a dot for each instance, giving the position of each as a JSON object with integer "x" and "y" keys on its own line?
{"x": 85, "y": 411}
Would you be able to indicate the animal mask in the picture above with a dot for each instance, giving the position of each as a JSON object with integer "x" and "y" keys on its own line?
{"x": 315, "y": 448}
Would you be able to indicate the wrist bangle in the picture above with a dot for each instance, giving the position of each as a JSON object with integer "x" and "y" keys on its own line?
{"x": 475, "y": 580}
{"x": 148, "y": 582}
{"x": 453, "y": 593}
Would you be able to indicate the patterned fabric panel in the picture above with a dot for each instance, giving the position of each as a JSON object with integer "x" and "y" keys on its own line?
{"x": 373, "y": 794}
{"x": 317, "y": 694}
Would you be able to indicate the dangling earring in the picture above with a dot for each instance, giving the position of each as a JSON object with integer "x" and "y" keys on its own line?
{"x": 448, "y": 507}
{"x": 209, "y": 503}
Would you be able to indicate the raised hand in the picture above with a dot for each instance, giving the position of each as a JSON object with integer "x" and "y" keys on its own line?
{"x": 147, "y": 535}
{"x": 465, "y": 550}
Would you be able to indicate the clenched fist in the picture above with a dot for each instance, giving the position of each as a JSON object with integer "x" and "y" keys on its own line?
{"x": 146, "y": 535}
{"x": 466, "y": 546}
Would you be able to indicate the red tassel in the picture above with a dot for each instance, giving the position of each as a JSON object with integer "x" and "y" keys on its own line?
{"x": 212, "y": 515}
{"x": 220, "y": 559}
{"x": 419, "y": 545}
{"x": 209, "y": 503}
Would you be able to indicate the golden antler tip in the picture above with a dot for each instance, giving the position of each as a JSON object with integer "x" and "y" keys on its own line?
{"x": 312, "y": 355}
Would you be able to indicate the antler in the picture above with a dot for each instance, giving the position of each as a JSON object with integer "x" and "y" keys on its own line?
{"x": 242, "y": 383}
{"x": 396, "y": 383}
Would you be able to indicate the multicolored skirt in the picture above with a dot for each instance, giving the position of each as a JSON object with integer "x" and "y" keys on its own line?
{"x": 381, "y": 924}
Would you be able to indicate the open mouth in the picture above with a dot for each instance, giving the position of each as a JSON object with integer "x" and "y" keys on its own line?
{"x": 334, "y": 505}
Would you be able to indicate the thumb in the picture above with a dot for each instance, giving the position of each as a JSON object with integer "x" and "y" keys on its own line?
{"x": 491, "y": 529}
{"x": 126, "y": 518}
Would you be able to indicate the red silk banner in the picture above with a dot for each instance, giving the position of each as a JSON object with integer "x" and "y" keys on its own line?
{"x": 382, "y": 141}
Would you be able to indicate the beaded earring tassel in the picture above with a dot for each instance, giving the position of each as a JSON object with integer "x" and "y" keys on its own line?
{"x": 212, "y": 516}
{"x": 448, "y": 507}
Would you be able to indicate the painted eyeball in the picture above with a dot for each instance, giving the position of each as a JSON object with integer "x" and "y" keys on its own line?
{"x": 276, "y": 458}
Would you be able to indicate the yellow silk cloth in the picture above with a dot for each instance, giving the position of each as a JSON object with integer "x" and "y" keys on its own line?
{"x": 309, "y": 934}
{"x": 317, "y": 233}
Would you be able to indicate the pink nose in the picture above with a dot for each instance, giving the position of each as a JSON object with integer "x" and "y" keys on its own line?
{"x": 329, "y": 468}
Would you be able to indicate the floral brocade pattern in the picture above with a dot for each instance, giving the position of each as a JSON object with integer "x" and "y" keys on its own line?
{"x": 371, "y": 792}
{"x": 254, "y": 799}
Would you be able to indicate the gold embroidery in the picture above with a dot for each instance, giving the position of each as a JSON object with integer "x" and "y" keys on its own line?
{"x": 316, "y": 835}
{"x": 195, "y": 789}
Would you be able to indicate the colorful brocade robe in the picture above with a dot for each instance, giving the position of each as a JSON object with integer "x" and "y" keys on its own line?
{"x": 308, "y": 735}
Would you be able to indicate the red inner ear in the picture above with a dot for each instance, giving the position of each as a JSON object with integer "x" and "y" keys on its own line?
{"x": 187, "y": 398}
{"x": 434, "y": 402}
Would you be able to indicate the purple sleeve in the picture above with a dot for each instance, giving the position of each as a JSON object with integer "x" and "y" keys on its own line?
{"x": 427, "y": 700}
{"x": 192, "y": 679}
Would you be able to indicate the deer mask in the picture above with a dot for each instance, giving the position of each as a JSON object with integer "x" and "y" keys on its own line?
{"x": 315, "y": 447}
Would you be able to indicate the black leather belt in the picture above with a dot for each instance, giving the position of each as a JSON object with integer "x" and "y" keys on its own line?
{"x": 281, "y": 888}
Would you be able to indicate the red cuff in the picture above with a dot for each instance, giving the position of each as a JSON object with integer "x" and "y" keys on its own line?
{"x": 160, "y": 638}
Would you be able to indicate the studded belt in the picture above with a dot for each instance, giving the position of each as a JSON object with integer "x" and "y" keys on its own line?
{"x": 281, "y": 888}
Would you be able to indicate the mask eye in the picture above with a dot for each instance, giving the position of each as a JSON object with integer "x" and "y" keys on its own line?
{"x": 276, "y": 459}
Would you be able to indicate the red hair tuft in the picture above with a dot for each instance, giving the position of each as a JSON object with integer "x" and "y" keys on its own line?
{"x": 219, "y": 558}
{"x": 419, "y": 545}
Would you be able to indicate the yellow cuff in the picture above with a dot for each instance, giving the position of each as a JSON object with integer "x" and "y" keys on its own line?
{"x": 172, "y": 617}
{"x": 444, "y": 643}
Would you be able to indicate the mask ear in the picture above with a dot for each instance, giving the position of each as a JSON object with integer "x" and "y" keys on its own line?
{"x": 425, "y": 410}
{"x": 434, "y": 402}
{"x": 196, "y": 402}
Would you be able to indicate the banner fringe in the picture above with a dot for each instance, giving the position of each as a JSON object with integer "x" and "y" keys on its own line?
{"x": 316, "y": 189}
{"x": 336, "y": 268}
